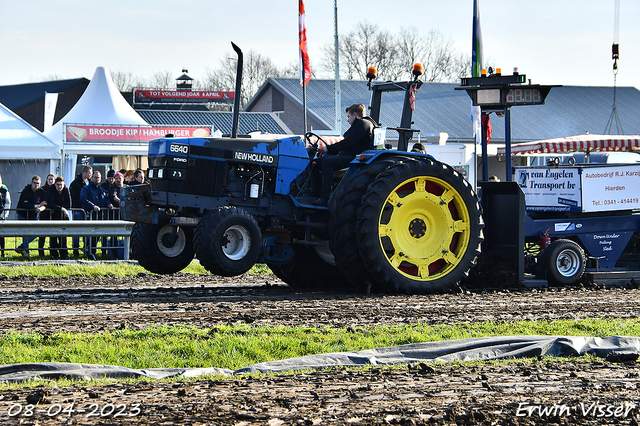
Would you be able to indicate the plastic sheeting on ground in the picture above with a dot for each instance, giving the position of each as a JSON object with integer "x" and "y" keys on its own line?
{"x": 484, "y": 348}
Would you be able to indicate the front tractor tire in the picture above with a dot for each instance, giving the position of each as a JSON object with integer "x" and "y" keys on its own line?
{"x": 420, "y": 227}
{"x": 227, "y": 241}
{"x": 162, "y": 249}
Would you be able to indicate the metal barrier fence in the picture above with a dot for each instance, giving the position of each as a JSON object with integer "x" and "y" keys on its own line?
{"x": 87, "y": 229}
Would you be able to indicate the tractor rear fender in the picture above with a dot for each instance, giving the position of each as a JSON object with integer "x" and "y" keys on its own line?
{"x": 368, "y": 157}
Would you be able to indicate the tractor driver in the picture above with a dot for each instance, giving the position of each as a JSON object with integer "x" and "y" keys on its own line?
{"x": 358, "y": 138}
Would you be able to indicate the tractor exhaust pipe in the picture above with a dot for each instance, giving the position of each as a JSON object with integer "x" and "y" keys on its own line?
{"x": 236, "y": 97}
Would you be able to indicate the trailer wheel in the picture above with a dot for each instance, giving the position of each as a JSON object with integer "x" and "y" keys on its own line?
{"x": 309, "y": 271}
{"x": 419, "y": 227}
{"x": 162, "y": 249}
{"x": 343, "y": 209}
{"x": 564, "y": 261}
{"x": 227, "y": 241}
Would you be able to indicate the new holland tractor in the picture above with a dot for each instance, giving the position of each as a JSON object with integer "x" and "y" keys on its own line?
{"x": 396, "y": 221}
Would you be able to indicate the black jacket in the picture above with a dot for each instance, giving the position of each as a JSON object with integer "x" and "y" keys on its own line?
{"x": 57, "y": 201}
{"x": 46, "y": 214}
{"x": 28, "y": 199}
{"x": 358, "y": 138}
{"x": 74, "y": 189}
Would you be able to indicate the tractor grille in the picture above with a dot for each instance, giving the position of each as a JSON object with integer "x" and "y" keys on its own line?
{"x": 205, "y": 177}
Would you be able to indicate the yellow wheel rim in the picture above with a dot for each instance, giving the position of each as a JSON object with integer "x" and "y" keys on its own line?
{"x": 424, "y": 228}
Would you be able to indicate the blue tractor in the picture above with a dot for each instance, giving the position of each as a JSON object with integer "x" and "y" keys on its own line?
{"x": 396, "y": 221}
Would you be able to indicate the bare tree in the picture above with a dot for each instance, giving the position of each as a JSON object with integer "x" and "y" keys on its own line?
{"x": 361, "y": 48}
{"x": 394, "y": 56}
{"x": 257, "y": 68}
{"x": 125, "y": 81}
{"x": 163, "y": 80}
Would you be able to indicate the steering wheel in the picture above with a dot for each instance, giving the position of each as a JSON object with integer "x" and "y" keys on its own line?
{"x": 313, "y": 149}
{"x": 309, "y": 135}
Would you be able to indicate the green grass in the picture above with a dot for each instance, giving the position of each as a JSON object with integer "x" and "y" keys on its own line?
{"x": 234, "y": 347}
{"x": 101, "y": 269}
{"x": 239, "y": 346}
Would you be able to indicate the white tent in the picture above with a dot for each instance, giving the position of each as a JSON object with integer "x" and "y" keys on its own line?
{"x": 24, "y": 152}
{"x": 19, "y": 140}
{"x": 101, "y": 104}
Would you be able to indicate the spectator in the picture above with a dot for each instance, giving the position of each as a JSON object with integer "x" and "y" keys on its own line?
{"x": 76, "y": 205}
{"x": 418, "y": 147}
{"x": 46, "y": 214}
{"x": 494, "y": 178}
{"x": 29, "y": 206}
{"x": 116, "y": 193}
{"x": 94, "y": 199}
{"x": 124, "y": 173}
{"x": 109, "y": 180}
{"x": 138, "y": 178}
{"x": 5, "y": 206}
{"x": 59, "y": 205}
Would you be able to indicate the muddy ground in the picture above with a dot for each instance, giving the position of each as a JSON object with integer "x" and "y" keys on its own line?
{"x": 518, "y": 393}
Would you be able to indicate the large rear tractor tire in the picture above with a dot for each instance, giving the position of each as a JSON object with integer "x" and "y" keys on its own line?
{"x": 564, "y": 261}
{"x": 343, "y": 209}
{"x": 162, "y": 249}
{"x": 420, "y": 227}
{"x": 227, "y": 241}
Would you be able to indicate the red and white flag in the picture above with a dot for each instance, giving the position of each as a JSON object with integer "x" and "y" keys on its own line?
{"x": 412, "y": 96}
{"x": 305, "y": 67}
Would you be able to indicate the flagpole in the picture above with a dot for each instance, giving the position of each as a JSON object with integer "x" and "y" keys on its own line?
{"x": 305, "y": 68}
{"x": 337, "y": 94}
{"x": 304, "y": 104}
{"x": 477, "y": 59}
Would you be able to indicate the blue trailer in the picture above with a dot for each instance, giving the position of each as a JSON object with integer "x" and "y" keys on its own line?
{"x": 577, "y": 219}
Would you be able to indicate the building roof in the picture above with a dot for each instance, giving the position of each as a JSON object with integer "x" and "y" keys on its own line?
{"x": 219, "y": 120}
{"x": 18, "y": 96}
{"x": 569, "y": 110}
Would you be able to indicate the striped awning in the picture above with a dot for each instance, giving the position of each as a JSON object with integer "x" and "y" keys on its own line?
{"x": 582, "y": 143}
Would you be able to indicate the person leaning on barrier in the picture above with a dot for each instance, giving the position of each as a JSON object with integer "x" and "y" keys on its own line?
{"x": 116, "y": 193}
{"x": 95, "y": 201}
{"x": 30, "y": 204}
{"x": 59, "y": 205}
{"x": 76, "y": 205}
{"x": 5, "y": 206}
{"x": 46, "y": 214}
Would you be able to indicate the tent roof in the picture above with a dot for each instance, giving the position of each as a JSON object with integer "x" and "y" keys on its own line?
{"x": 583, "y": 143}
{"x": 19, "y": 96}
{"x": 101, "y": 103}
{"x": 20, "y": 140}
